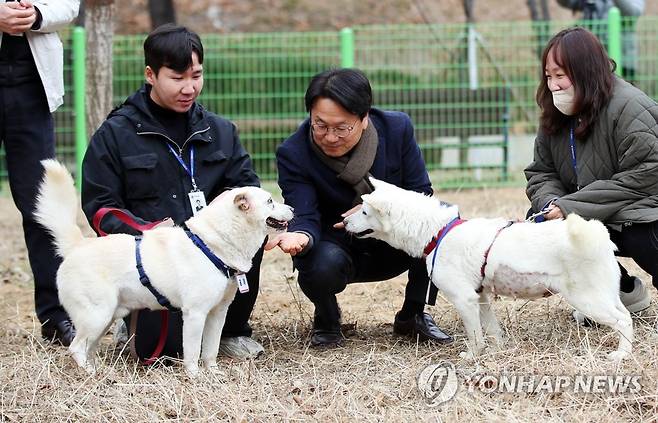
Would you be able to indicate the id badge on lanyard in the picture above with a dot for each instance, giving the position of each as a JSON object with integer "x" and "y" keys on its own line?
{"x": 196, "y": 196}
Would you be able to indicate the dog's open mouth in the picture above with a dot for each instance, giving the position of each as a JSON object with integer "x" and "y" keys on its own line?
{"x": 276, "y": 224}
{"x": 363, "y": 233}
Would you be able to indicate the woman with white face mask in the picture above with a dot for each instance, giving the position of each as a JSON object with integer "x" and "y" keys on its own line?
{"x": 596, "y": 153}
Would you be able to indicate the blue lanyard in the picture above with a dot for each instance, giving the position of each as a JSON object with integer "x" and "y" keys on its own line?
{"x": 572, "y": 143}
{"x": 190, "y": 170}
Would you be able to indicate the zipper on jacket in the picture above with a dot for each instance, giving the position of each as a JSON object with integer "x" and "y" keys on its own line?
{"x": 180, "y": 148}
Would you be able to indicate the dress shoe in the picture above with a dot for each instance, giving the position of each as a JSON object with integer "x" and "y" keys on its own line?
{"x": 326, "y": 324}
{"x": 61, "y": 332}
{"x": 323, "y": 338}
{"x": 423, "y": 326}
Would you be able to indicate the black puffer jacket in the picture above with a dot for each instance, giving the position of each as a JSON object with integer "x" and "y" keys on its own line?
{"x": 129, "y": 166}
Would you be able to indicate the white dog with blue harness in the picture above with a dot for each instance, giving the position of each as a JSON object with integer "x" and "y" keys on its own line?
{"x": 197, "y": 271}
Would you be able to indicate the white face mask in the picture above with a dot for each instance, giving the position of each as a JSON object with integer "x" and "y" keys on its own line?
{"x": 564, "y": 100}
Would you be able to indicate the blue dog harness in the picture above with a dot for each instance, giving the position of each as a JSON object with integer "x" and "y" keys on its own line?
{"x": 144, "y": 279}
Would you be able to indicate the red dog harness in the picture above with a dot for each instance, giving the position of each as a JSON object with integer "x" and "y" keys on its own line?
{"x": 486, "y": 253}
{"x": 436, "y": 241}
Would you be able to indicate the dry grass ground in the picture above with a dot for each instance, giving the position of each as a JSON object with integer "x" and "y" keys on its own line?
{"x": 372, "y": 378}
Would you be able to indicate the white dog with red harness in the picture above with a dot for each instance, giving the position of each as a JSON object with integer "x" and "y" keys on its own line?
{"x": 197, "y": 271}
{"x": 473, "y": 261}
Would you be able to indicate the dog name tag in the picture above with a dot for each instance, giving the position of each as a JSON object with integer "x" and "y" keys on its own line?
{"x": 197, "y": 200}
{"x": 243, "y": 285}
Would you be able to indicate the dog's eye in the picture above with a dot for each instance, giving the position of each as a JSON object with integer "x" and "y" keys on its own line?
{"x": 364, "y": 212}
{"x": 269, "y": 201}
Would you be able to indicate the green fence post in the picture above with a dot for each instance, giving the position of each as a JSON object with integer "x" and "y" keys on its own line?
{"x": 79, "y": 59}
{"x": 347, "y": 48}
{"x": 614, "y": 38}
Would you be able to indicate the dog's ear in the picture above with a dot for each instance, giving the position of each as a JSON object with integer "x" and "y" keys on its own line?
{"x": 383, "y": 208}
{"x": 241, "y": 201}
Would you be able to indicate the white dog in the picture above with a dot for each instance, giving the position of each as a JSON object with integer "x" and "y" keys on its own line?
{"x": 482, "y": 258}
{"x": 98, "y": 280}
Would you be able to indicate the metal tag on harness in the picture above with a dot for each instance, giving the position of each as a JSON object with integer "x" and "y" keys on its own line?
{"x": 241, "y": 280}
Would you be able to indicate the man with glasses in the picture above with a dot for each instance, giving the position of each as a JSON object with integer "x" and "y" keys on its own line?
{"x": 323, "y": 171}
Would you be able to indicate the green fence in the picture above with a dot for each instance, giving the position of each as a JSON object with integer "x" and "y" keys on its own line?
{"x": 469, "y": 89}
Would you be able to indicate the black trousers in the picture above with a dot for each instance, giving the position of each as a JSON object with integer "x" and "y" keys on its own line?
{"x": 333, "y": 263}
{"x": 638, "y": 241}
{"x": 27, "y": 133}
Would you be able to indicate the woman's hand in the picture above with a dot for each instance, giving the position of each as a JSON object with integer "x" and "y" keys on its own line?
{"x": 289, "y": 242}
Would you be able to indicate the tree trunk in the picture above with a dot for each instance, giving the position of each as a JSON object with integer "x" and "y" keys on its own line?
{"x": 162, "y": 12}
{"x": 469, "y": 5}
{"x": 99, "y": 25}
{"x": 544, "y": 9}
{"x": 540, "y": 24}
{"x": 534, "y": 13}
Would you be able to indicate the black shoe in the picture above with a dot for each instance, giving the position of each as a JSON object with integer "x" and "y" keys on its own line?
{"x": 326, "y": 324}
{"x": 61, "y": 332}
{"x": 327, "y": 338}
{"x": 423, "y": 326}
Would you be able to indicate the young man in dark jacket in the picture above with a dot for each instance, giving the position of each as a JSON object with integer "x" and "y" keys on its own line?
{"x": 323, "y": 171}
{"x": 162, "y": 155}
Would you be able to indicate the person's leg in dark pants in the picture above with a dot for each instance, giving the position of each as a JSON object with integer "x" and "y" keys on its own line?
{"x": 28, "y": 137}
{"x": 376, "y": 260}
{"x": 323, "y": 272}
{"x": 638, "y": 241}
{"x": 236, "y": 336}
{"x": 239, "y": 312}
{"x": 328, "y": 268}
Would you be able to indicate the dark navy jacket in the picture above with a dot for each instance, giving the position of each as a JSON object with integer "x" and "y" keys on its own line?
{"x": 319, "y": 197}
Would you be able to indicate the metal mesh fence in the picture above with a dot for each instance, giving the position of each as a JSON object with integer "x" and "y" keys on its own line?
{"x": 469, "y": 89}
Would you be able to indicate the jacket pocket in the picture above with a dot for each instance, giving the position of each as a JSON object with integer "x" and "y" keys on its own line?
{"x": 216, "y": 157}
{"x": 140, "y": 179}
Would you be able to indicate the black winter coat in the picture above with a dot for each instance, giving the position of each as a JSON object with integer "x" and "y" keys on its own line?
{"x": 129, "y": 166}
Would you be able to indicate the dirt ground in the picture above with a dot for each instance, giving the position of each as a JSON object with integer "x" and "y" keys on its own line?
{"x": 372, "y": 378}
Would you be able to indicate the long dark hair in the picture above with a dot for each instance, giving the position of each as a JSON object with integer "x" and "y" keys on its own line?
{"x": 590, "y": 70}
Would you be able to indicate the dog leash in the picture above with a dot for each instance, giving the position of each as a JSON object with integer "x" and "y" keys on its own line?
{"x": 164, "y": 314}
{"x": 123, "y": 216}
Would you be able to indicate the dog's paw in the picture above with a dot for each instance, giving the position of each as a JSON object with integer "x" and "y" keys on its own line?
{"x": 215, "y": 371}
{"x": 617, "y": 356}
{"x": 192, "y": 371}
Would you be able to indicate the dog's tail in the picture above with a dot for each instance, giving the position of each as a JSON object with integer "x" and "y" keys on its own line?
{"x": 57, "y": 207}
{"x": 589, "y": 237}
